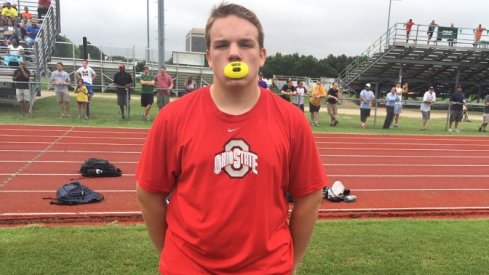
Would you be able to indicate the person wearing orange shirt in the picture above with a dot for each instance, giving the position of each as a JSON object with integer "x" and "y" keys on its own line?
{"x": 478, "y": 35}
{"x": 318, "y": 92}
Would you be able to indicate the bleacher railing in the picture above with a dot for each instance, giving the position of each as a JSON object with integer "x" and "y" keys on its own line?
{"x": 396, "y": 35}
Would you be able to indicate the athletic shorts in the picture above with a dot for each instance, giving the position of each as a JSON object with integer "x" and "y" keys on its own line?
{"x": 22, "y": 95}
{"x": 397, "y": 109}
{"x": 485, "y": 118}
{"x": 147, "y": 99}
{"x": 63, "y": 96}
{"x": 314, "y": 108}
{"x": 89, "y": 87}
{"x": 425, "y": 115}
{"x": 456, "y": 115}
{"x": 122, "y": 98}
{"x": 364, "y": 113}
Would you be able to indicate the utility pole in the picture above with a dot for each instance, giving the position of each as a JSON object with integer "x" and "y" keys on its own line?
{"x": 161, "y": 33}
{"x": 147, "y": 31}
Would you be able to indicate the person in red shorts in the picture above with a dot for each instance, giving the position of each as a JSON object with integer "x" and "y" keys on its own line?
{"x": 229, "y": 166}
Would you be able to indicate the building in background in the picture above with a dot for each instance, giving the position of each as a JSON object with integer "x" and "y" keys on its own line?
{"x": 195, "y": 41}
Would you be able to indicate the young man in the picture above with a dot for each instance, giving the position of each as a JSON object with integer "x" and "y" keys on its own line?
{"x": 299, "y": 93}
{"x": 164, "y": 84}
{"x": 398, "y": 105}
{"x": 366, "y": 99}
{"x": 88, "y": 75}
{"x": 318, "y": 92}
{"x": 147, "y": 96}
{"x": 409, "y": 26}
{"x": 431, "y": 30}
{"x": 61, "y": 80}
{"x": 456, "y": 109}
{"x": 390, "y": 101}
{"x": 229, "y": 171}
{"x": 123, "y": 81}
{"x": 429, "y": 98}
{"x": 21, "y": 78}
{"x": 287, "y": 90}
{"x": 333, "y": 100}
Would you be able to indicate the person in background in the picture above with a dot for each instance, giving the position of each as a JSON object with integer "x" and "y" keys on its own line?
{"x": 485, "y": 115}
{"x": 21, "y": 78}
{"x": 333, "y": 101}
{"x": 164, "y": 84}
{"x": 88, "y": 75}
{"x": 229, "y": 171}
{"x": 26, "y": 14}
{"x": 318, "y": 92}
{"x": 262, "y": 83}
{"x": 398, "y": 106}
{"x": 123, "y": 82}
{"x": 456, "y": 109}
{"x": 81, "y": 92}
{"x": 478, "y": 34}
{"x": 190, "y": 85}
{"x": 147, "y": 92}
{"x": 451, "y": 40}
{"x": 287, "y": 90}
{"x": 9, "y": 14}
{"x": 43, "y": 7}
{"x": 429, "y": 99}
{"x": 31, "y": 33}
{"x": 465, "y": 110}
{"x": 390, "y": 101}
{"x": 367, "y": 98}
{"x": 431, "y": 30}
{"x": 409, "y": 26}
{"x": 61, "y": 80}
{"x": 299, "y": 93}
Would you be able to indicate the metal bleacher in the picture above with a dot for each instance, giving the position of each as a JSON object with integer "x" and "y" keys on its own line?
{"x": 36, "y": 58}
{"x": 423, "y": 62}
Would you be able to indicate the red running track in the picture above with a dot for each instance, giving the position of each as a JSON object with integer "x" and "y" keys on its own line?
{"x": 392, "y": 176}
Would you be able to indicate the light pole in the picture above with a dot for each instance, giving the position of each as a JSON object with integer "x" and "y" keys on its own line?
{"x": 388, "y": 23}
{"x": 147, "y": 32}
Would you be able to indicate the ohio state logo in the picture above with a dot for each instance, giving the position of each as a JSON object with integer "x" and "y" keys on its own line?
{"x": 236, "y": 159}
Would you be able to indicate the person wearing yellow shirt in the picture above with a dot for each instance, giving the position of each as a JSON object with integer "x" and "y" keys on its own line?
{"x": 317, "y": 93}
{"x": 9, "y": 13}
{"x": 81, "y": 92}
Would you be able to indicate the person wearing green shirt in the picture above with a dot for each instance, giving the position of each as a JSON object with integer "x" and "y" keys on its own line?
{"x": 147, "y": 97}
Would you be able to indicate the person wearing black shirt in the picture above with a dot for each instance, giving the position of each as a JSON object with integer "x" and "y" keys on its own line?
{"x": 287, "y": 90}
{"x": 21, "y": 78}
{"x": 123, "y": 82}
{"x": 333, "y": 100}
{"x": 456, "y": 109}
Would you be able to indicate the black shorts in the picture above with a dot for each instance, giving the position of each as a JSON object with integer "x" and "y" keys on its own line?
{"x": 313, "y": 108}
{"x": 364, "y": 113}
{"x": 147, "y": 99}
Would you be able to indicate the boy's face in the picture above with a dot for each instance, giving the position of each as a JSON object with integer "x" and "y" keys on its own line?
{"x": 234, "y": 39}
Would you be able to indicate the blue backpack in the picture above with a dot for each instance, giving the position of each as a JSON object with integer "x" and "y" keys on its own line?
{"x": 74, "y": 193}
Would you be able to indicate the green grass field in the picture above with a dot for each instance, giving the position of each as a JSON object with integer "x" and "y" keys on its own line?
{"x": 337, "y": 247}
{"x": 407, "y": 246}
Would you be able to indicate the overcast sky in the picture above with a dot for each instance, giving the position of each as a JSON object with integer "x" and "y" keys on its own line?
{"x": 309, "y": 27}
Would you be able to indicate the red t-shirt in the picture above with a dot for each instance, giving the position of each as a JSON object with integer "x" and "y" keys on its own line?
{"x": 229, "y": 176}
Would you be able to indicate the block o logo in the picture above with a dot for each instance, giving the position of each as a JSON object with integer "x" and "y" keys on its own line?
{"x": 236, "y": 160}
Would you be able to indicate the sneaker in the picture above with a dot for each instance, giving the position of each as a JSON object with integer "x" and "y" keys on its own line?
{"x": 85, "y": 117}
{"x": 449, "y": 130}
{"x": 457, "y": 130}
{"x": 395, "y": 125}
{"x": 335, "y": 123}
{"x": 317, "y": 123}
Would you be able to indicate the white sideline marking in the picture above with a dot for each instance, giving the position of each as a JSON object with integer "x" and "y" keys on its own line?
{"x": 71, "y": 175}
{"x": 405, "y": 165}
{"x": 51, "y": 191}
{"x": 41, "y": 214}
{"x": 399, "y": 156}
{"x": 412, "y": 176}
{"x": 404, "y": 209}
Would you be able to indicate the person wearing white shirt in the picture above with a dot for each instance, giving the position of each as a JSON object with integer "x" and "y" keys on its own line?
{"x": 366, "y": 99}
{"x": 428, "y": 100}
